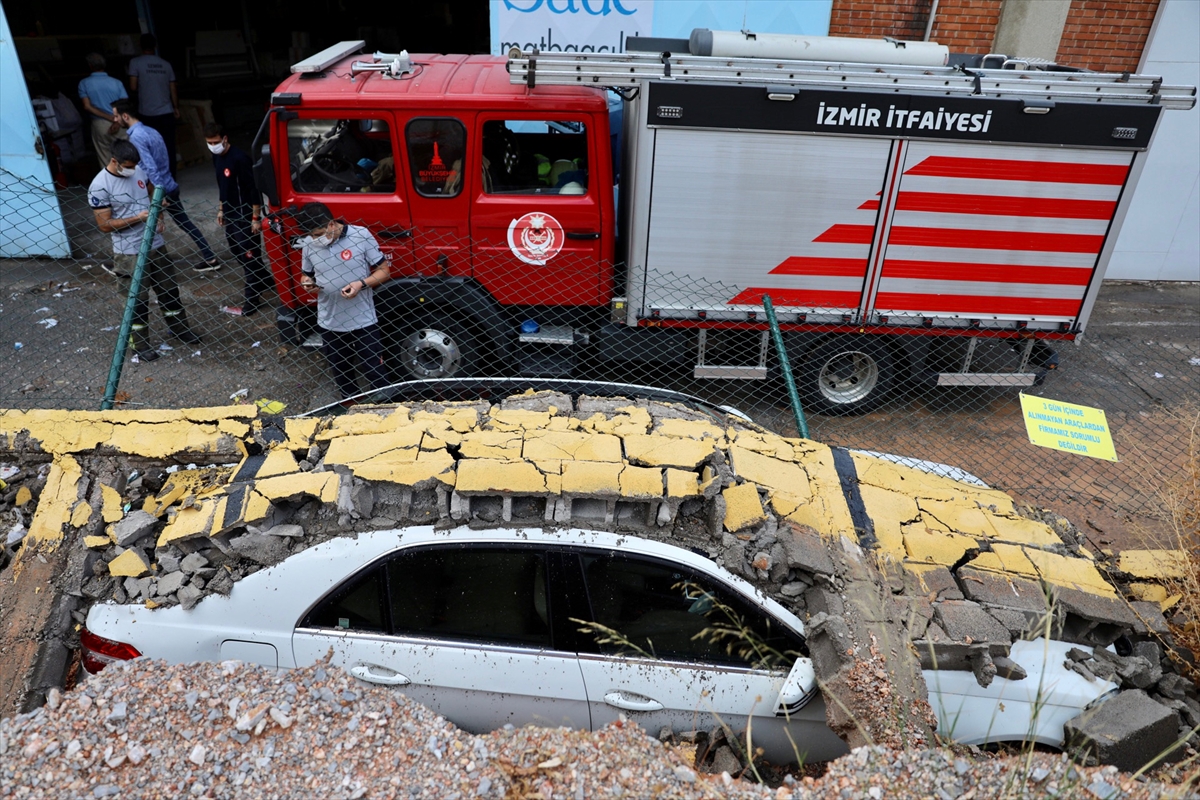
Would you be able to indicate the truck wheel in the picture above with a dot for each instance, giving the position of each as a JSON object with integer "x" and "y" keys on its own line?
{"x": 441, "y": 349}
{"x": 846, "y": 375}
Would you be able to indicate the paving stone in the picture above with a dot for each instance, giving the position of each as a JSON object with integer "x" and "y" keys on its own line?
{"x": 1126, "y": 731}
{"x": 135, "y": 526}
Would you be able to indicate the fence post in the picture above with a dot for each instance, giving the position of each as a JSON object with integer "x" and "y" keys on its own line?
{"x": 135, "y": 287}
{"x": 786, "y": 368}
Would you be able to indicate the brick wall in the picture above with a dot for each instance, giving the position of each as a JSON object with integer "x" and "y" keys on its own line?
{"x": 1107, "y": 35}
{"x": 965, "y": 26}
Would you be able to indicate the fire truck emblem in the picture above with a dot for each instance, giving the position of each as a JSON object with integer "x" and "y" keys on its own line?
{"x": 535, "y": 238}
{"x": 346, "y": 255}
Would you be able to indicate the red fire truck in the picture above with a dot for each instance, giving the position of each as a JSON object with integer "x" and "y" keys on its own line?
{"x": 912, "y": 215}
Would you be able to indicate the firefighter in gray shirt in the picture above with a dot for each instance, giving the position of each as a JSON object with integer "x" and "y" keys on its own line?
{"x": 121, "y": 205}
{"x": 344, "y": 264}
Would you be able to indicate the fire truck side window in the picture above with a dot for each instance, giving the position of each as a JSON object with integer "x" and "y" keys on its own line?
{"x": 335, "y": 156}
{"x": 534, "y": 157}
{"x": 436, "y": 148}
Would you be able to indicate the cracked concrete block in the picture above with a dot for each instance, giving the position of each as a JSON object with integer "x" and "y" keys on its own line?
{"x": 259, "y": 548}
{"x": 1024, "y": 531}
{"x": 994, "y": 590}
{"x": 770, "y": 472}
{"x": 130, "y": 564}
{"x": 548, "y": 401}
{"x": 516, "y": 420}
{"x": 743, "y": 507}
{"x": 820, "y": 600}
{"x": 189, "y": 523}
{"x": 1127, "y": 731}
{"x": 1073, "y": 573}
{"x": 1155, "y": 565}
{"x": 428, "y": 470}
{"x": 681, "y": 484}
{"x": 830, "y": 644}
{"x": 168, "y": 562}
{"x": 641, "y": 483}
{"x": 556, "y": 445}
{"x": 189, "y": 596}
{"x": 690, "y": 429}
{"x": 278, "y": 462}
{"x": 931, "y": 581}
{"x": 591, "y": 478}
{"x": 489, "y": 476}
{"x": 936, "y": 547}
{"x": 289, "y": 530}
{"x": 1087, "y": 618}
{"x": 170, "y": 583}
{"x": 1005, "y": 558}
{"x": 97, "y": 541}
{"x": 806, "y": 550}
{"x": 665, "y": 451}
{"x": 1149, "y": 619}
{"x": 963, "y": 620}
{"x": 194, "y": 561}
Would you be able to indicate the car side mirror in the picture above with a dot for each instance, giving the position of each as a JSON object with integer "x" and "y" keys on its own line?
{"x": 799, "y": 687}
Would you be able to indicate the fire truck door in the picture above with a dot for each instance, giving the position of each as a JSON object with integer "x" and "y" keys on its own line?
{"x": 537, "y": 226}
{"x": 436, "y": 148}
{"x": 348, "y": 162}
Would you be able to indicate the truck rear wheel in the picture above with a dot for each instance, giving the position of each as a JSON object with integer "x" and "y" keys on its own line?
{"x": 846, "y": 375}
{"x": 443, "y": 348}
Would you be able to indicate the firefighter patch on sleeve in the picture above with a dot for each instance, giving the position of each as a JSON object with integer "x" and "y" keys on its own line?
{"x": 535, "y": 238}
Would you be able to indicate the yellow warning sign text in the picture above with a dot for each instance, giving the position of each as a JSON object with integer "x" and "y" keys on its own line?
{"x": 1068, "y": 427}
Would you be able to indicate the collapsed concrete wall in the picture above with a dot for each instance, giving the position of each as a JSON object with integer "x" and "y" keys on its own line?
{"x": 893, "y": 568}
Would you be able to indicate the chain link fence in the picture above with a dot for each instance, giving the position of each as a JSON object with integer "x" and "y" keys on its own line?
{"x": 458, "y": 305}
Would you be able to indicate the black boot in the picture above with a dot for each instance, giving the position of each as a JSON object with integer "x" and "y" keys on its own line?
{"x": 177, "y": 325}
{"x": 139, "y": 343}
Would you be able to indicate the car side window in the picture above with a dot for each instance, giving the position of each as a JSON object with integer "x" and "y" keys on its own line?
{"x": 643, "y": 606}
{"x": 479, "y": 594}
{"x": 336, "y": 156}
{"x": 356, "y": 605}
{"x": 436, "y": 148}
{"x": 534, "y": 157}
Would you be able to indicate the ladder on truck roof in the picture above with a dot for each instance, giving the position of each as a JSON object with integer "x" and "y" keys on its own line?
{"x": 633, "y": 69}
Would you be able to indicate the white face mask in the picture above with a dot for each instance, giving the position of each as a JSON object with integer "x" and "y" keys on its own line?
{"x": 216, "y": 149}
{"x": 324, "y": 240}
{"x": 126, "y": 172}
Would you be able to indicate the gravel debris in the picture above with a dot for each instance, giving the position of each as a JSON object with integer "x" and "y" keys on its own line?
{"x": 146, "y": 729}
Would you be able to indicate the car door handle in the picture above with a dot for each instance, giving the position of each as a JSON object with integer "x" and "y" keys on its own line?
{"x": 381, "y": 675}
{"x": 632, "y": 702}
{"x": 395, "y": 233}
{"x": 584, "y": 235}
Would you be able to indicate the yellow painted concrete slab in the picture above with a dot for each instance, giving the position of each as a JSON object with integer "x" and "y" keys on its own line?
{"x": 321, "y": 485}
{"x": 459, "y": 419}
{"x": 1155, "y": 565}
{"x": 959, "y": 516}
{"x": 257, "y": 508}
{"x": 1007, "y": 558}
{"x": 427, "y": 466}
{"x": 883, "y": 505}
{"x": 743, "y": 507}
{"x": 547, "y": 444}
{"x": 785, "y": 504}
{"x": 765, "y": 443}
{"x": 218, "y": 413}
{"x": 58, "y": 498}
{"x": 160, "y": 440}
{"x": 104, "y": 541}
{"x": 503, "y": 445}
{"x": 130, "y": 564}
{"x": 1152, "y": 592}
{"x": 23, "y": 496}
{"x": 180, "y": 484}
{"x": 905, "y": 480}
{"x": 890, "y": 539}
{"x": 234, "y": 428}
{"x": 189, "y": 523}
{"x": 1078, "y": 573}
{"x": 279, "y": 461}
{"x": 300, "y": 432}
{"x": 492, "y": 476}
{"x": 770, "y": 472}
{"x": 1024, "y": 531}
{"x": 515, "y": 419}
{"x": 919, "y": 570}
{"x": 111, "y": 508}
{"x": 936, "y": 548}
{"x": 664, "y": 451}
{"x": 354, "y": 449}
{"x": 591, "y": 478}
{"x": 563, "y": 424}
{"x": 827, "y": 512}
{"x": 690, "y": 429}
{"x": 364, "y": 423}
{"x": 681, "y": 484}
{"x": 642, "y": 483}
{"x": 81, "y": 514}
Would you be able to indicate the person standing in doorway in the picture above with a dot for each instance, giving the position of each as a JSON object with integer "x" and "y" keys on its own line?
{"x": 153, "y": 150}
{"x": 120, "y": 202}
{"x": 99, "y": 91}
{"x": 344, "y": 265}
{"x": 240, "y": 215}
{"x": 153, "y": 79}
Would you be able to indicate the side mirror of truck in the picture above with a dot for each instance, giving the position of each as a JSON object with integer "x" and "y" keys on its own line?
{"x": 264, "y": 175}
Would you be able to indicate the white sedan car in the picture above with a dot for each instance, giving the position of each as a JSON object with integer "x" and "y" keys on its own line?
{"x": 490, "y": 627}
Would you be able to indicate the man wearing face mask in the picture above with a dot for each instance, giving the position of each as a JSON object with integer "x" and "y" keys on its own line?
{"x": 344, "y": 265}
{"x": 240, "y": 216}
{"x": 121, "y": 205}
{"x": 155, "y": 162}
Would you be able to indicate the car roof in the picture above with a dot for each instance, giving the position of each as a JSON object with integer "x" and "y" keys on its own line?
{"x": 451, "y": 81}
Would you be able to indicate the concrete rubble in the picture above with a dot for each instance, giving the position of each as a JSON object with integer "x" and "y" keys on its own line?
{"x": 893, "y": 569}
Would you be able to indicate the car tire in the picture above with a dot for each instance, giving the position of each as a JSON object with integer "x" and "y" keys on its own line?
{"x": 846, "y": 375}
{"x": 434, "y": 348}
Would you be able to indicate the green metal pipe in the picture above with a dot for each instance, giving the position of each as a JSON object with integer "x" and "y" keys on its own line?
{"x": 135, "y": 287}
{"x": 786, "y": 368}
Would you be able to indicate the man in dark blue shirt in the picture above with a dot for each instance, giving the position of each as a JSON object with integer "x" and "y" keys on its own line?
{"x": 241, "y": 217}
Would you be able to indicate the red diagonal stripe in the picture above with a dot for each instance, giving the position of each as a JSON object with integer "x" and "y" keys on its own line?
{"x": 811, "y": 298}
{"x": 996, "y": 240}
{"x": 869, "y": 205}
{"x": 988, "y": 273}
{"x": 835, "y": 267}
{"x": 976, "y": 304}
{"x": 847, "y": 234}
{"x": 1005, "y": 206}
{"x": 997, "y": 169}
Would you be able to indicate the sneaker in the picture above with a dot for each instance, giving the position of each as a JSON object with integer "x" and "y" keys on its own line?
{"x": 146, "y": 356}
{"x": 207, "y": 266}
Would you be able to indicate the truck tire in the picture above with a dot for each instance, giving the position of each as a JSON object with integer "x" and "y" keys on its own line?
{"x": 846, "y": 375}
{"x": 442, "y": 348}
